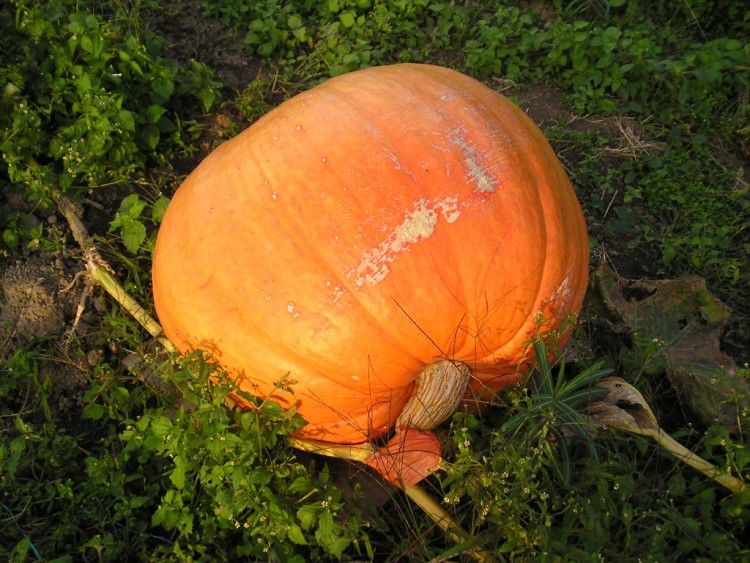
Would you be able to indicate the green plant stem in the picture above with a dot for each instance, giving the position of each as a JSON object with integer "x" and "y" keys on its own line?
{"x": 625, "y": 408}
{"x": 445, "y": 522}
{"x": 695, "y": 461}
{"x": 352, "y": 452}
{"x": 100, "y": 274}
{"x": 99, "y": 271}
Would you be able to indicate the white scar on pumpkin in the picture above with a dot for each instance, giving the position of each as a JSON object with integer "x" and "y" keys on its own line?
{"x": 419, "y": 224}
{"x": 477, "y": 173}
{"x": 562, "y": 295}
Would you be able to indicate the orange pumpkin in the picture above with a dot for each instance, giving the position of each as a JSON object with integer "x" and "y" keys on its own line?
{"x": 363, "y": 230}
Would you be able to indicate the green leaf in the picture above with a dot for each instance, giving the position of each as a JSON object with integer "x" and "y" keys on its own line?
{"x": 154, "y": 113}
{"x": 133, "y": 235}
{"x": 329, "y": 536}
{"x": 586, "y": 378}
{"x": 260, "y": 476}
{"x": 207, "y": 96}
{"x": 132, "y": 206}
{"x": 301, "y": 484}
{"x": 347, "y": 19}
{"x": 94, "y": 411}
{"x": 178, "y": 473}
{"x": 161, "y": 425}
{"x": 543, "y": 367}
{"x": 86, "y": 44}
{"x": 126, "y": 120}
{"x": 135, "y": 67}
{"x": 294, "y": 533}
{"x": 307, "y": 516}
{"x": 164, "y": 87}
{"x": 10, "y": 238}
{"x": 159, "y": 208}
{"x": 150, "y": 136}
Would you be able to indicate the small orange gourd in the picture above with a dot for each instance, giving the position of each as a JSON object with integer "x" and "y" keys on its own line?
{"x": 378, "y": 224}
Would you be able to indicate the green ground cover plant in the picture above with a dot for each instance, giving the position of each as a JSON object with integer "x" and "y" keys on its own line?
{"x": 112, "y": 448}
{"x": 87, "y": 97}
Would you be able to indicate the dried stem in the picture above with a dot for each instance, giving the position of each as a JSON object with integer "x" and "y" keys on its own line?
{"x": 693, "y": 460}
{"x": 352, "y": 452}
{"x": 100, "y": 272}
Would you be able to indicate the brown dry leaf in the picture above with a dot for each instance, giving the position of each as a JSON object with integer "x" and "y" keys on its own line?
{"x": 623, "y": 407}
{"x": 684, "y": 322}
{"x": 410, "y": 456}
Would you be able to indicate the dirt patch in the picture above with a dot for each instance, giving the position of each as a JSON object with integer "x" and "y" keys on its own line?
{"x": 190, "y": 36}
{"x": 37, "y": 308}
{"x": 33, "y": 305}
{"x": 545, "y": 104}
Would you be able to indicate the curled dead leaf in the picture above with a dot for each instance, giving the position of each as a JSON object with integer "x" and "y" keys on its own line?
{"x": 623, "y": 407}
{"x": 410, "y": 456}
{"x": 684, "y": 323}
{"x": 626, "y": 409}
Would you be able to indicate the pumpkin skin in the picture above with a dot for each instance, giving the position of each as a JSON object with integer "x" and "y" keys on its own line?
{"x": 379, "y": 222}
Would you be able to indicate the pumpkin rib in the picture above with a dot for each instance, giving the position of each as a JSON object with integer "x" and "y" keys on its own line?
{"x": 293, "y": 221}
{"x": 278, "y": 350}
{"x": 326, "y": 266}
{"x": 281, "y": 350}
{"x": 506, "y": 129}
{"x": 356, "y": 295}
{"x": 453, "y": 293}
{"x": 478, "y": 359}
{"x": 386, "y": 137}
{"x": 392, "y": 336}
{"x": 542, "y": 191}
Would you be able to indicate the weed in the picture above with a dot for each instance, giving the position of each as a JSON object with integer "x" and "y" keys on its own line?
{"x": 700, "y": 219}
{"x": 129, "y": 221}
{"x": 505, "y": 481}
{"x": 157, "y": 481}
{"x": 89, "y": 99}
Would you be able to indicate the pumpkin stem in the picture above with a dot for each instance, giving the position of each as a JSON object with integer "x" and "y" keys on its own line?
{"x": 438, "y": 390}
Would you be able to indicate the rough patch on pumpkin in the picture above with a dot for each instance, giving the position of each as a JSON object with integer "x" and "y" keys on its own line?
{"x": 685, "y": 321}
{"x": 410, "y": 456}
{"x": 418, "y": 224}
{"x": 477, "y": 171}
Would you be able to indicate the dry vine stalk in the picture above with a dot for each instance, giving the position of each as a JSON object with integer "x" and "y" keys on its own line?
{"x": 626, "y": 409}
{"x": 100, "y": 272}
